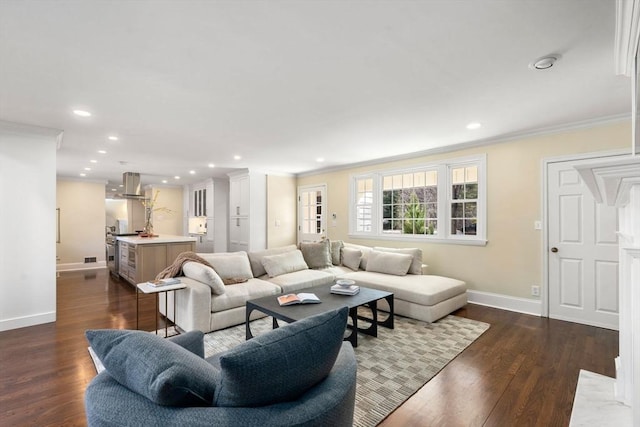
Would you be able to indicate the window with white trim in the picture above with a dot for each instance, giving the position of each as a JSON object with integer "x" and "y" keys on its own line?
{"x": 438, "y": 202}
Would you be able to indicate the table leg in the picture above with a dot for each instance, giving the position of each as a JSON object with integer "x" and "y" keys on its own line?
{"x": 247, "y": 329}
{"x": 353, "y": 338}
{"x": 166, "y": 314}
{"x": 388, "y": 322}
{"x": 156, "y": 313}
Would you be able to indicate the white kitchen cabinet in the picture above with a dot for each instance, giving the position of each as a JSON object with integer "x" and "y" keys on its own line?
{"x": 247, "y": 211}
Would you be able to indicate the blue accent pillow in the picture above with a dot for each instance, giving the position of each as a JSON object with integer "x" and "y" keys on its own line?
{"x": 192, "y": 341}
{"x": 158, "y": 369}
{"x": 282, "y": 364}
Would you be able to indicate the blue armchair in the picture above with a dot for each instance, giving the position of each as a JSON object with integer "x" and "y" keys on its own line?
{"x": 301, "y": 374}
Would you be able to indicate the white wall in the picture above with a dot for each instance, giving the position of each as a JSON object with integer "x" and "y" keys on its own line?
{"x": 82, "y": 224}
{"x": 28, "y": 244}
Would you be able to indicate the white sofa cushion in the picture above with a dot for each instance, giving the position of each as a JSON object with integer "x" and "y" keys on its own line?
{"x": 351, "y": 258}
{"x": 317, "y": 254}
{"x": 421, "y": 289}
{"x": 255, "y": 258}
{"x": 292, "y": 282}
{"x": 416, "y": 253}
{"x": 230, "y": 266}
{"x": 287, "y": 262}
{"x": 389, "y": 263}
{"x": 238, "y": 294}
{"x": 205, "y": 274}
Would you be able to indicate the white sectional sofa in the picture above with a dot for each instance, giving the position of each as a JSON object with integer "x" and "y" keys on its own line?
{"x": 215, "y": 298}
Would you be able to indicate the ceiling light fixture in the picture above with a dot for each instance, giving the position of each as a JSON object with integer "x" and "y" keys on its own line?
{"x": 236, "y": 157}
{"x": 192, "y": 172}
{"x": 545, "y": 62}
{"x": 164, "y": 181}
{"x": 211, "y": 165}
{"x": 93, "y": 161}
{"x": 87, "y": 169}
{"x": 83, "y": 174}
{"x": 474, "y": 125}
{"x": 82, "y": 113}
{"x": 112, "y": 137}
{"x": 320, "y": 159}
{"x": 176, "y": 177}
{"x": 102, "y": 152}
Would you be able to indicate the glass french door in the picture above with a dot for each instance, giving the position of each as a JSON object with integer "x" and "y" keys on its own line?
{"x": 311, "y": 213}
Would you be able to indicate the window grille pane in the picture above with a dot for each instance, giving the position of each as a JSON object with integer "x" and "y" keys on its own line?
{"x": 457, "y": 176}
{"x": 431, "y": 178}
{"x": 457, "y": 191}
{"x": 471, "y": 174}
{"x": 471, "y": 191}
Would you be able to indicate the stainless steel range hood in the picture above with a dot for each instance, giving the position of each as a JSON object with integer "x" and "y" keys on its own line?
{"x": 131, "y": 185}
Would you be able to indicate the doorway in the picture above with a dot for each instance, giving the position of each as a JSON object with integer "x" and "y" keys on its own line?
{"x": 312, "y": 213}
{"x": 582, "y": 250}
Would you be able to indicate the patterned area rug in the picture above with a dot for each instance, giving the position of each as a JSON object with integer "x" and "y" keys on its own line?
{"x": 391, "y": 367}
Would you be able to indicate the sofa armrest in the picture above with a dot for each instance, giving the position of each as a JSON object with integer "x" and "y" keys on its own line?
{"x": 193, "y": 305}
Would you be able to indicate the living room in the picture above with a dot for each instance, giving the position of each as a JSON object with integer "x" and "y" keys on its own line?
{"x": 503, "y": 264}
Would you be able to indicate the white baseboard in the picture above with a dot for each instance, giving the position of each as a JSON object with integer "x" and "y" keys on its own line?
{"x": 74, "y": 266}
{"x": 506, "y": 302}
{"x": 23, "y": 322}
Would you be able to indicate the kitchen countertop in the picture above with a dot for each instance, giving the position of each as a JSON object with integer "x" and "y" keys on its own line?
{"x": 163, "y": 238}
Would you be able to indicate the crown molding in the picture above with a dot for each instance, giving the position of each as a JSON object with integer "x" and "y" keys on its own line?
{"x": 511, "y": 137}
{"x": 626, "y": 35}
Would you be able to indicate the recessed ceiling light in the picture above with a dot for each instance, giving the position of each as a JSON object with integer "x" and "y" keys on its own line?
{"x": 102, "y": 152}
{"x": 192, "y": 172}
{"x": 474, "y": 125}
{"x": 113, "y": 137}
{"x": 176, "y": 177}
{"x": 545, "y": 62}
{"x": 211, "y": 165}
{"x": 113, "y": 189}
{"x": 236, "y": 157}
{"x": 320, "y": 159}
{"x": 87, "y": 169}
{"x": 82, "y": 113}
{"x": 164, "y": 181}
{"x": 93, "y": 161}
{"x": 83, "y": 174}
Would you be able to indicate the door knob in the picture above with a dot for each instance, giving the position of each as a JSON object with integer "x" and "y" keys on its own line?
{"x": 554, "y": 249}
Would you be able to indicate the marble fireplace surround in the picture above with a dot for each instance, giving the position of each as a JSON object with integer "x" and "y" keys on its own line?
{"x": 617, "y": 183}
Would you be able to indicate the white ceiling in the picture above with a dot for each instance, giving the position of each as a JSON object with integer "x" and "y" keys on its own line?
{"x": 281, "y": 83}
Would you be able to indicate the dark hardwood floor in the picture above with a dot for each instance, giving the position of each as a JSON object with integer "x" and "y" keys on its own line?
{"x": 522, "y": 372}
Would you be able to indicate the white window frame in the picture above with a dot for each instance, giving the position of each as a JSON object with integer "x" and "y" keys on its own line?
{"x": 444, "y": 235}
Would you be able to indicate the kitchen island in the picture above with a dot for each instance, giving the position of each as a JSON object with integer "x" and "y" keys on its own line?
{"x": 142, "y": 258}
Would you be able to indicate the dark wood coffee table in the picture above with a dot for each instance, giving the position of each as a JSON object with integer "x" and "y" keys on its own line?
{"x": 290, "y": 313}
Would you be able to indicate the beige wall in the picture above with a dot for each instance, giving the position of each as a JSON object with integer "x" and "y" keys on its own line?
{"x": 511, "y": 262}
{"x": 115, "y": 210}
{"x": 82, "y": 222}
{"x": 167, "y": 222}
{"x": 281, "y": 210}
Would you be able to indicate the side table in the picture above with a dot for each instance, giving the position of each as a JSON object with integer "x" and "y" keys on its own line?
{"x": 146, "y": 288}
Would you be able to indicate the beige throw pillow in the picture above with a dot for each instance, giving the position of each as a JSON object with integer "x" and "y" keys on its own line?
{"x": 284, "y": 263}
{"x": 351, "y": 258}
{"x": 255, "y": 258}
{"x": 336, "y": 247}
{"x": 317, "y": 254}
{"x": 389, "y": 263}
{"x": 205, "y": 274}
{"x": 416, "y": 253}
{"x": 230, "y": 265}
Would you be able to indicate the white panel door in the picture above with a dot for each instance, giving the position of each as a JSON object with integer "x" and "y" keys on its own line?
{"x": 311, "y": 213}
{"x": 582, "y": 252}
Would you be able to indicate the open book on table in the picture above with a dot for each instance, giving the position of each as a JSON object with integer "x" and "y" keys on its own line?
{"x": 301, "y": 298}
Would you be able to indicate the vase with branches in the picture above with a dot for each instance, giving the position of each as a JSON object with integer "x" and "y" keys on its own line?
{"x": 149, "y": 209}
